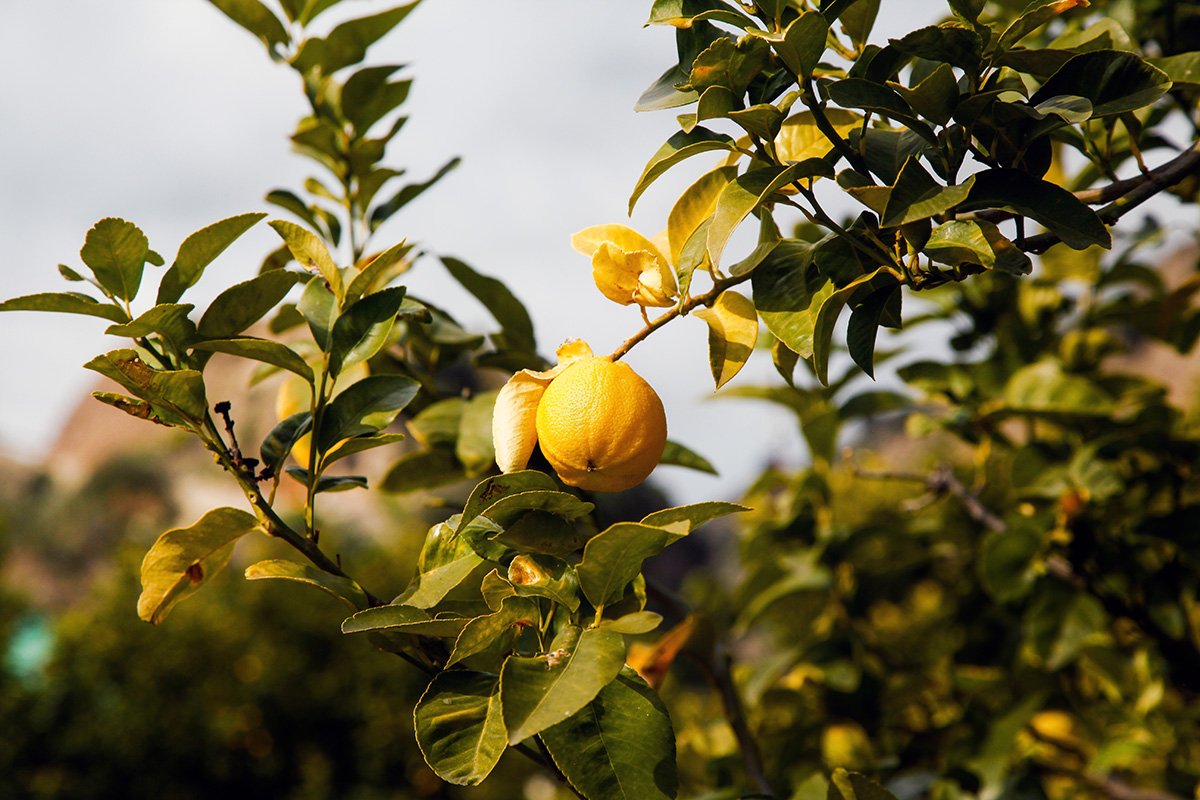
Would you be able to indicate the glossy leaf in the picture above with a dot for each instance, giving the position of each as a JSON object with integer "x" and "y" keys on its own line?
{"x": 480, "y": 633}
{"x": 1112, "y": 80}
{"x": 916, "y": 195}
{"x": 663, "y": 94}
{"x": 360, "y": 444}
{"x": 784, "y": 291}
{"x": 340, "y": 587}
{"x": 264, "y": 350}
{"x": 800, "y": 138}
{"x": 511, "y": 507}
{"x": 116, "y": 251}
{"x": 367, "y": 406}
{"x": 732, "y": 333}
{"x": 319, "y": 308}
{"x": 184, "y": 559}
{"x": 803, "y": 43}
{"x": 446, "y": 561}
{"x": 949, "y": 44}
{"x": 620, "y": 746}
{"x": 613, "y": 558}
{"x": 66, "y": 303}
{"x": 542, "y": 575}
{"x": 751, "y": 190}
{"x": 1033, "y": 17}
{"x": 679, "y": 147}
{"x": 282, "y": 438}
{"x": 880, "y": 99}
{"x": 376, "y": 272}
{"x": 243, "y": 304}
{"x": 539, "y": 691}
{"x": 491, "y": 490}
{"x": 198, "y": 251}
{"x": 459, "y": 726}
{"x": 363, "y": 328}
{"x": 979, "y": 242}
{"x": 1053, "y": 206}
{"x": 695, "y": 205}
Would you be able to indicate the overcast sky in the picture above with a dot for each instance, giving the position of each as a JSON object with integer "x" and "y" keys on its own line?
{"x": 168, "y": 115}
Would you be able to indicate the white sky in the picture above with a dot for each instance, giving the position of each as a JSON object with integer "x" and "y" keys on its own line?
{"x": 170, "y": 116}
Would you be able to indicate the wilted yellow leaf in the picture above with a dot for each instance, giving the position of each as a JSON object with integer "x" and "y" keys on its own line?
{"x": 695, "y": 205}
{"x": 640, "y": 276}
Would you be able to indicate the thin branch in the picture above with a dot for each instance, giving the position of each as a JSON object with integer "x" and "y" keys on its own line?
{"x": 940, "y": 482}
{"x": 706, "y": 299}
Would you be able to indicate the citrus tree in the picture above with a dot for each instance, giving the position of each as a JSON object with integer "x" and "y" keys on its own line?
{"x": 1035, "y": 634}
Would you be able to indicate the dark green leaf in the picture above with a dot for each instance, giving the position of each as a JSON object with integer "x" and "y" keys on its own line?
{"x": 409, "y": 193}
{"x": 949, "y": 44}
{"x": 803, "y": 43}
{"x": 264, "y": 350}
{"x": 256, "y": 18}
{"x": 1113, "y": 81}
{"x": 243, "y": 304}
{"x": 504, "y": 307}
{"x": 620, "y": 746}
{"x": 1053, "y": 206}
{"x": 362, "y": 329}
{"x": 675, "y": 454}
{"x": 613, "y": 558}
{"x": 360, "y": 444}
{"x": 66, "y": 303}
{"x": 459, "y": 726}
{"x": 368, "y": 96}
{"x": 488, "y": 492}
{"x": 347, "y": 43}
{"x": 289, "y": 201}
{"x": 784, "y": 290}
{"x": 168, "y": 320}
{"x": 881, "y": 99}
{"x": 751, "y": 190}
{"x": 541, "y": 691}
{"x": 678, "y": 148}
{"x": 424, "y": 469}
{"x": 852, "y": 786}
{"x": 327, "y": 483}
{"x": 481, "y": 632}
{"x": 282, "y": 438}
{"x": 403, "y": 619}
{"x": 366, "y": 406}
{"x": 319, "y": 307}
{"x": 685, "y": 519}
{"x": 198, "y": 251}
{"x": 508, "y": 509}
{"x": 180, "y": 392}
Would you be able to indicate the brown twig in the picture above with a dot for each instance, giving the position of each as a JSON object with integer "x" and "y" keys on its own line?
{"x": 940, "y": 482}
{"x": 708, "y": 298}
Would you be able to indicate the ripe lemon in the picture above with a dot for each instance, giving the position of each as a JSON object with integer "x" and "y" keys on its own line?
{"x": 601, "y": 426}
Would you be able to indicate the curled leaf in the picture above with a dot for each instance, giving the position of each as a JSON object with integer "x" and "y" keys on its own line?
{"x": 732, "y": 333}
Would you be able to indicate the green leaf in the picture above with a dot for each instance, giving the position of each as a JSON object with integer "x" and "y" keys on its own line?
{"x": 827, "y": 314}
{"x": 634, "y": 624}
{"x": 362, "y": 329}
{"x": 424, "y": 469}
{"x": 979, "y": 242}
{"x": 752, "y": 190}
{"x": 116, "y": 251}
{"x": 290, "y": 202}
{"x": 729, "y": 63}
{"x": 540, "y": 691}
{"x": 935, "y": 97}
{"x": 264, "y": 350}
{"x": 282, "y": 438}
{"x": 1007, "y": 562}
{"x": 179, "y": 392}
{"x": 459, "y": 726}
{"x": 311, "y": 253}
{"x": 438, "y": 423}
{"x": 620, "y": 745}
{"x": 880, "y": 99}
{"x": 949, "y": 44}
{"x": 510, "y": 508}
{"x": 845, "y": 785}
{"x": 138, "y": 408}
{"x": 409, "y": 193}
{"x": 1053, "y": 206}
{"x": 319, "y": 307}
{"x": 366, "y": 406}
{"x": 1114, "y": 81}
{"x": 504, "y": 307}
{"x": 347, "y": 43}
{"x": 1182, "y": 69}
{"x": 256, "y": 18}
{"x": 732, "y": 333}
{"x": 857, "y": 20}
{"x": 327, "y": 483}
{"x": 378, "y": 270}
{"x": 399, "y": 618}
{"x": 675, "y": 454}
{"x": 184, "y": 559}
{"x": 340, "y": 587}
{"x": 446, "y": 561}
{"x": 368, "y": 96}
{"x": 785, "y": 289}
{"x": 916, "y": 195}
{"x": 541, "y": 532}
{"x": 864, "y": 327}
{"x": 1044, "y": 388}
{"x": 198, "y": 251}
{"x": 243, "y": 304}
{"x": 803, "y": 43}
{"x": 482, "y": 632}
{"x": 1034, "y": 16}
{"x": 685, "y": 519}
{"x": 168, "y": 320}
{"x": 694, "y": 206}
{"x": 361, "y": 444}
{"x": 663, "y": 94}
{"x": 66, "y": 303}
{"x": 613, "y": 558}
{"x": 489, "y": 491}
{"x": 679, "y": 147}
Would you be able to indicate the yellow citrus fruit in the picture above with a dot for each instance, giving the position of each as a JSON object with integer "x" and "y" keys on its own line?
{"x": 601, "y": 426}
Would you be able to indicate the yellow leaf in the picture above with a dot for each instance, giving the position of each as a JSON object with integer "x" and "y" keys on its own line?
{"x": 694, "y": 206}
{"x": 800, "y": 138}
{"x": 639, "y": 276}
{"x": 732, "y": 333}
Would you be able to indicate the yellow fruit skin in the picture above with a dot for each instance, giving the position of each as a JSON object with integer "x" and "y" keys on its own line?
{"x": 601, "y": 426}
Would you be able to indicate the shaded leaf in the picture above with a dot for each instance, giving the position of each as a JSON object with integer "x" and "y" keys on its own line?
{"x": 459, "y": 726}
{"x": 504, "y": 307}
{"x": 347, "y": 43}
{"x": 243, "y": 304}
{"x": 613, "y": 558}
{"x": 398, "y": 618}
{"x": 425, "y": 469}
{"x": 1114, "y": 81}
{"x": 480, "y": 633}
{"x": 340, "y": 587}
{"x": 255, "y": 18}
{"x": 366, "y": 406}
{"x": 732, "y": 333}
{"x": 362, "y": 329}
{"x": 66, "y": 303}
{"x": 264, "y": 350}
{"x": 675, "y": 454}
{"x": 685, "y": 519}
{"x": 976, "y": 242}
{"x": 1053, "y": 206}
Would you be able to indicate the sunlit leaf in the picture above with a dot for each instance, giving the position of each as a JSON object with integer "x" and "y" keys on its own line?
{"x": 116, "y": 251}
{"x": 459, "y": 726}
{"x": 732, "y": 333}
{"x": 340, "y": 587}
